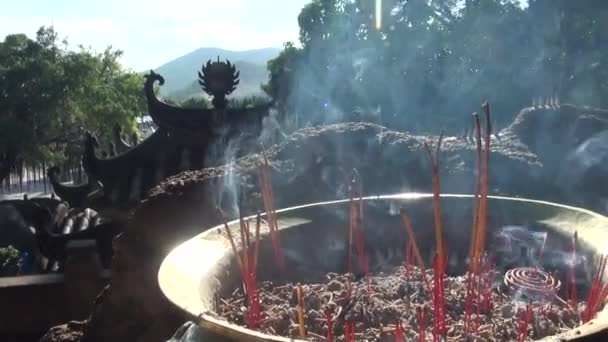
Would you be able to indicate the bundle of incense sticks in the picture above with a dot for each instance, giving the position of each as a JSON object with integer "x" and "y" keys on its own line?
{"x": 523, "y": 332}
{"x": 422, "y": 325}
{"x": 330, "y": 325}
{"x": 409, "y": 259}
{"x": 572, "y": 295}
{"x": 247, "y": 262}
{"x": 399, "y": 332}
{"x": 488, "y": 281}
{"x": 271, "y": 215}
{"x": 349, "y": 332}
{"x": 478, "y": 236}
{"x": 481, "y": 195}
{"x": 301, "y": 324}
{"x": 414, "y": 246}
{"x": 598, "y": 294}
{"x": 439, "y": 304}
{"x": 355, "y": 233}
{"x": 479, "y": 292}
{"x": 434, "y": 158}
{"x": 440, "y": 260}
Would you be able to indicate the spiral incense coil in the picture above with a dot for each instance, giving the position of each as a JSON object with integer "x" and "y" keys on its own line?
{"x": 531, "y": 281}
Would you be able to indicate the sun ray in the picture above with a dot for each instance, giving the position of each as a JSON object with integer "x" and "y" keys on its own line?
{"x": 378, "y": 15}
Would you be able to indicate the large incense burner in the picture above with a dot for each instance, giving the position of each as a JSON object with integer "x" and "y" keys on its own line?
{"x": 313, "y": 238}
{"x": 397, "y": 268}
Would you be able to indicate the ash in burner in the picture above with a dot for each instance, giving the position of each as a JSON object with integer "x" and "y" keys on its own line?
{"x": 512, "y": 239}
{"x": 399, "y": 298}
{"x": 411, "y": 303}
{"x": 532, "y": 282}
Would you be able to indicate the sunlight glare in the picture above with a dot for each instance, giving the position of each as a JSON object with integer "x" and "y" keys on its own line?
{"x": 378, "y": 15}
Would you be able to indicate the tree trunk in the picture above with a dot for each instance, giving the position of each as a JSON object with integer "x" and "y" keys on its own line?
{"x": 7, "y": 163}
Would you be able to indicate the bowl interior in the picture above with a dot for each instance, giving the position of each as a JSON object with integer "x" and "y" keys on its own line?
{"x": 314, "y": 242}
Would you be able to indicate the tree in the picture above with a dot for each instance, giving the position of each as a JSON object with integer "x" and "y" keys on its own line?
{"x": 49, "y": 95}
{"x": 9, "y": 261}
{"x": 434, "y": 61}
{"x": 281, "y": 70}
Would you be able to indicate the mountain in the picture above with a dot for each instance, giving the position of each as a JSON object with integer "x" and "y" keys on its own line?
{"x": 181, "y": 79}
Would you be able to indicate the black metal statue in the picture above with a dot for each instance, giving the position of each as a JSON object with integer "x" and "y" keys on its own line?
{"x": 218, "y": 79}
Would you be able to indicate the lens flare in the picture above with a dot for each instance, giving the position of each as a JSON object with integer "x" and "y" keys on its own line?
{"x": 378, "y": 15}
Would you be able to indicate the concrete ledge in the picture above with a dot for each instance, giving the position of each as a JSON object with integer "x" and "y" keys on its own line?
{"x": 34, "y": 303}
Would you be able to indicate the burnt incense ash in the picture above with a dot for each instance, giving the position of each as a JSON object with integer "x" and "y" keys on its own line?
{"x": 411, "y": 302}
{"x": 394, "y": 309}
{"x": 532, "y": 282}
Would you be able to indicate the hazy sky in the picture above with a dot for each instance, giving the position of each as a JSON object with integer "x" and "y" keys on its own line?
{"x": 152, "y": 32}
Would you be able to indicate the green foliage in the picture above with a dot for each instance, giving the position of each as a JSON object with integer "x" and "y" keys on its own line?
{"x": 199, "y": 102}
{"x": 281, "y": 74}
{"x": 436, "y": 61}
{"x": 251, "y": 76}
{"x": 248, "y": 101}
{"x": 196, "y": 102}
{"x": 9, "y": 261}
{"x": 49, "y": 95}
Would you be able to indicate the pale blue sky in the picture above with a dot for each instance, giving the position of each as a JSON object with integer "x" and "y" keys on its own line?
{"x": 152, "y": 32}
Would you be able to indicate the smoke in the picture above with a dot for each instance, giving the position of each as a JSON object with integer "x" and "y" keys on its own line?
{"x": 225, "y": 150}
{"x": 520, "y": 245}
{"x": 584, "y": 168}
{"x": 271, "y": 130}
{"x": 429, "y": 68}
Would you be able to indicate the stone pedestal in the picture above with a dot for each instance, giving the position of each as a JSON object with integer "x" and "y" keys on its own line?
{"x": 82, "y": 274}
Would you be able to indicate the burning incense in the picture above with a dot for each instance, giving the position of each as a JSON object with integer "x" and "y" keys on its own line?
{"x": 412, "y": 241}
{"x": 483, "y": 204}
{"x": 355, "y": 233}
{"x": 439, "y": 309}
{"x": 482, "y": 184}
{"x": 485, "y": 185}
{"x": 436, "y": 198}
{"x": 477, "y": 249}
{"x": 330, "y": 325}
{"x": 523, "y": 333}
{"x": 572, "y": 295}
{"x": 477, "y": 186}
{"x": 349, "y": 288}
{"x": 301, "y": 312}
{"x": 349, "y": 332}
{"x": 468, "y": 304}
{"x": 399, "y": 332}
{"x": 409, "y": 257}
{"x": 489, "y": 281}
{"x": 352, "y": 227}
{"x": 268, "y": 199}
{"x": 256, "y": 250}
{"x": 422, "y": 324}
{"x": 254, "y": 299}
{"x": 232, "y": 244}
{"x": 598, "y": 294}
{"x": 245, "y": 243}
{"x": 246, "y": 263}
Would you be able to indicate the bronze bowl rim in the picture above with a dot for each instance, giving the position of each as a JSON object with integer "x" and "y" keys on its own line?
{"x": 180, "y": 285}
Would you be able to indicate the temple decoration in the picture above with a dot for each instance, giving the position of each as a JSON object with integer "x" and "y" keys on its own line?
{"x": 218, "y": 79}
{"x": 182, "y": 142}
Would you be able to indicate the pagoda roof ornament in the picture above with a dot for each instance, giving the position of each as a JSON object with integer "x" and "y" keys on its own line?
{"x": 218, "y": 79}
